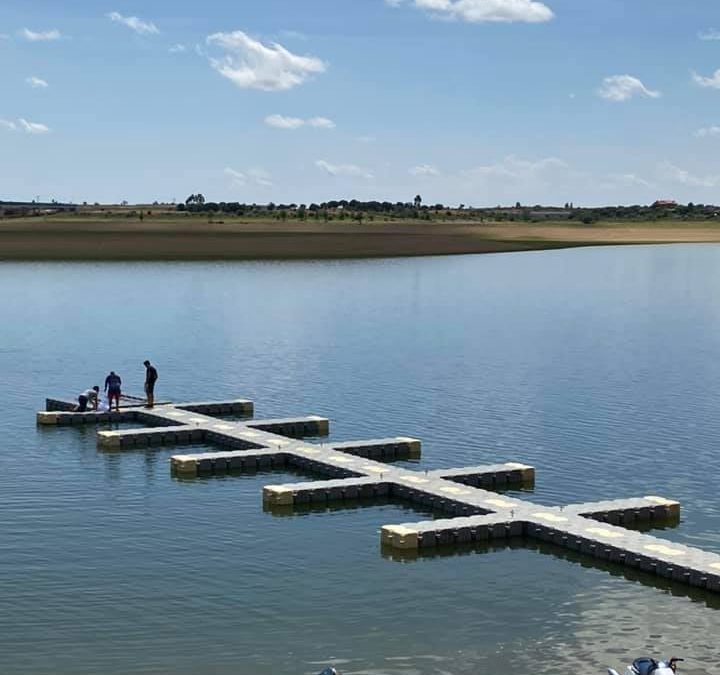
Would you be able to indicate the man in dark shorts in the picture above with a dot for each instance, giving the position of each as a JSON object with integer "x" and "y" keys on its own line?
{"x": 113, "y": 385}
{"x": 89, "y": 395}
{"x": 151, "y": 377}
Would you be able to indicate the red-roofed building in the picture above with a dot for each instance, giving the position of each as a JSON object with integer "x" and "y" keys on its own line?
{"x": 665, "y": 204}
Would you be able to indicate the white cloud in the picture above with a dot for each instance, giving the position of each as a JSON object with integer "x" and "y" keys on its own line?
{"x": 511, "y": 179}
{"x": 140, "y": 26}
{"x": 482, "y": 11}
{"x": 239, "y": 179}
{"x": 669, "y": 171}
{"x": 24, "y": 125}
{"x": 321, "y": 123}
{"x": 42, "y": 36}
{"x": 249, "y": 64}
{"x": 424, "y": 170}
{"x": 708, "y": 132}
{"x": 258, "y": 177}
{"x": 513, "y": 167}
{"x": 344, "y": 170}
{"x": 36, "y": 82}
{"x": 33, "y": 127}
{"x": 624, "y": 87}
{"x": 284, "y": 122}
{"x": 177, "y": 49}
{"x": 712, "y": 82}
{"x": 711, "y": 34}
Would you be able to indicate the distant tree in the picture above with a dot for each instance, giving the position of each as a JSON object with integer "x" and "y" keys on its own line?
{"x": 198, "y": 199}
{"x": 417, "y": 201}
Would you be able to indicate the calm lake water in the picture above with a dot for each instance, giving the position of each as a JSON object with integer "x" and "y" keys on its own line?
{"x": 601, "y": 367}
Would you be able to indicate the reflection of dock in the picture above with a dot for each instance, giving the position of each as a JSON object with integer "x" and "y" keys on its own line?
{"x": 355, "y": 471}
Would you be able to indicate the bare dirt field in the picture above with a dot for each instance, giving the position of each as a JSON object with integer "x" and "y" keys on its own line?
{"x": 198, "y": 239}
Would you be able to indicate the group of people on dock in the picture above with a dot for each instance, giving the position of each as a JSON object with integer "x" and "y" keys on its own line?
{"x": 90, "y": 399}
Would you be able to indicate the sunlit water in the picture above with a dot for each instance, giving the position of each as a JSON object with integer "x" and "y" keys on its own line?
{"x": 601, "y": 367}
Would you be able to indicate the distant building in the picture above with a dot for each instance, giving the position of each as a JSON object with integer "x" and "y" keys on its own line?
{"x": 665, "y": 204}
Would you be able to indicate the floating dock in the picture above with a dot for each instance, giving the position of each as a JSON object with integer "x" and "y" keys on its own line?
{"x": 358, "y": 470}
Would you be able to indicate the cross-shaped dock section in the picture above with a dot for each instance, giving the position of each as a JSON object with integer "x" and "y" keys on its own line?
{"x": 361, "y": 470}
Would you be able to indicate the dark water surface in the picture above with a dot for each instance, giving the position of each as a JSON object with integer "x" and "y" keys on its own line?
{"x": 601, "y": 367}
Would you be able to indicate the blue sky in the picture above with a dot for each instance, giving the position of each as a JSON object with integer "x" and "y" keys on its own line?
{"x": 478, "y": 102}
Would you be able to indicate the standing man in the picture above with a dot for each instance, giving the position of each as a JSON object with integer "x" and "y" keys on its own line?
{"x": 151, "y": 377}
{"x": 113, "y": 383}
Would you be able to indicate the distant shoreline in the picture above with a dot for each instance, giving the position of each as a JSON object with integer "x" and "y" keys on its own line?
{"x": 56, "y": 239}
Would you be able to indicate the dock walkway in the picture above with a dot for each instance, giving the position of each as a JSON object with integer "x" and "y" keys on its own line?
{"x": 359, "y": 470}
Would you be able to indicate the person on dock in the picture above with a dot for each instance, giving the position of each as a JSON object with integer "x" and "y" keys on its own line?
{"x": 88, "y": 396}
{"x": 151, "y": 377}
{"x": 113, "y": 385}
